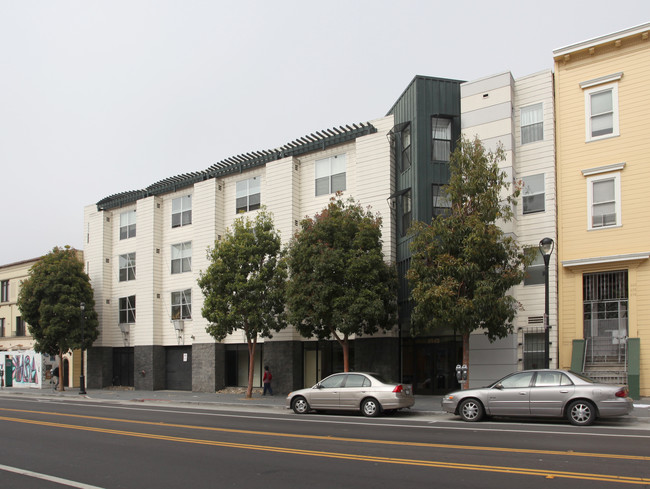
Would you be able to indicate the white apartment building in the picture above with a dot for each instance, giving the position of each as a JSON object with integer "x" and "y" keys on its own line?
{"x": 518, "y": 114}
{"x": 145, "y": 250}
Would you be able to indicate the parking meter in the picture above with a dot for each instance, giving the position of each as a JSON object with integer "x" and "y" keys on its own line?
{"x": 461, "y": 373}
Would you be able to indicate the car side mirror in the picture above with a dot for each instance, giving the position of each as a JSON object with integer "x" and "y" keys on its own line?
{"x": 498, "y": 386}
{"x": 317, "y": 386}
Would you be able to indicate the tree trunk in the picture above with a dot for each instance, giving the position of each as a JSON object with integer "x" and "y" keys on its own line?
{"x": 251, "y": 366}
{"x": 61, "y": 389}
{"x": 346, "y": 354}
{"x": 466, "y": 357}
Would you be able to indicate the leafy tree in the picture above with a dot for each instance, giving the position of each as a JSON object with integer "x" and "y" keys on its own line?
{"x": 463, "y": 264}
{"x": 245, "y": 283}
{"x": 49, "y": 302}
{"x": 339, "y": 283}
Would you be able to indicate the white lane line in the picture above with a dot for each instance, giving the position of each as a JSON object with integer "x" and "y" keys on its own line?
{"x": 51, "y": 478}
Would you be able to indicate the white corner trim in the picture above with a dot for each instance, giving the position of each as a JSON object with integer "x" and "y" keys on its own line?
{"x": 603, "y": 169}
{"x": 581, "y": 262}
{"x": 602, "y": 79}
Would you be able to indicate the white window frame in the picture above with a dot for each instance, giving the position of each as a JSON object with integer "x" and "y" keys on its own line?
{"x": 324, "y": 168}
{"x": 182, "y": 256}
{"x": 523, "y": 126}
{"x": 525, "y": 194}
{"x": 613, "y": 87}
{"x": 178, "y": 300}
{"x": 182, "y": 207}
{"x": 128, "y": 221}
{"x": 245, "y": 189}
{"x": 126, "y": 263}
{"x": 616, "y": 177}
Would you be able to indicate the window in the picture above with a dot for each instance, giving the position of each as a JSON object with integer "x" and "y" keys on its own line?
{"x": 551, "y": 379}
{"x": 182, "y": 257}
{"x": 127, "y": 225}
{"x": 406, "y": 212}
{"x": 127, "y": 310}
{"x": 182, "y": 304}
{"x": 441, "y": 139}
{"x": 4, "y": 291}
{"x": 536, "y": 270}
{"x": 517, "y": 381}
{"x": 127, "y": 267}
{"x": 20, "y": 326}
{"x": 406, "y": 148}
{"x": 2, "y": 327}
{"x": 604, "y": 201}
{"x": 532, "y": 123}
{"x": 534, "y": 347}
{"x": 332, "y": 382}
{"x": 182, "y": 211}
{"x": 441, "y": 201}
{"x": 533, "y": 195}
{"x": 330, "y": 175}
{"x": 248, "y": 195}
{"x": 601, "y": 111}
{"x": 356, "y": 380}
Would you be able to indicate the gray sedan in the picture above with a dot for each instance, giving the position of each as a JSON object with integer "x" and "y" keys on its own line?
{"x": 354, "y": 391}
{"x": 551, "y": 393}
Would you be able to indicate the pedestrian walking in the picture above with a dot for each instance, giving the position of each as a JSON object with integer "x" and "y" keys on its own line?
{"x": 55, "y": 377}
{"x": 266, "y": 380}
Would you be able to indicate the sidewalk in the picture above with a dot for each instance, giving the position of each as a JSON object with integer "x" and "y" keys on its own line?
{"x": 236, "y": 398}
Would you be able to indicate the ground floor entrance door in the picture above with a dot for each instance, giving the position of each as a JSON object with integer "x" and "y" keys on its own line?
{"x": 178, "y": 361}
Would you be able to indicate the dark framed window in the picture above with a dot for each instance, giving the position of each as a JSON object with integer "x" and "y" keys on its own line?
{"x": 440, "y": 139}
{"x": 406, "y": 148}
{"x": 2, "y": 327}
{"x": 127, "y": 267}
{"x": 406, "y": 211}
{"x": 441, "y": 201}
{"x": 534, "y": 344}
{"x": 182, "y": 211}
{"x": 127, "y": 310}
{"x": 4, "y": 291}
{"x": 20, "y": 326}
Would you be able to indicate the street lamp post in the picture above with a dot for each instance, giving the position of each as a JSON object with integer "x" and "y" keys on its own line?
{"x": 82, "y": 377}
{"x": 546, "y": 246}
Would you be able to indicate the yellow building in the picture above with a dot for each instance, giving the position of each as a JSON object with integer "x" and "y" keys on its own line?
{"x": 602, "y": 101}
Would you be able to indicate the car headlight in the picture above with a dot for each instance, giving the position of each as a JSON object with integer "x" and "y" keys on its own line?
{"x": 448, "y": 397}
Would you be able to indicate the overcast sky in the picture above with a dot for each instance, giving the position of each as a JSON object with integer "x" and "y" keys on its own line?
{"x": 101, "y": 97}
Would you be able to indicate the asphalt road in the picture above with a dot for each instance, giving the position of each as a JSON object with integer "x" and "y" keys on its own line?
{"x": 54, "y": 443}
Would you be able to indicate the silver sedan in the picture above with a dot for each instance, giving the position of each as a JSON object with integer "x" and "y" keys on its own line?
{"x": 353, "y": 391}
{"x": 550, "y": 393}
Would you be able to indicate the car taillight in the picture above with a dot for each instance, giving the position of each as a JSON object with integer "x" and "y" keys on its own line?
{"x": 398, "y": 388}
{"x": 622, "y": 392}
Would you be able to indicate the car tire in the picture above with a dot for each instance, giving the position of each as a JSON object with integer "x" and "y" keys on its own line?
{"x": 370, "y": 407}
{"x": 581, "y": 413}
{"x": 300, "y": 405}
{"x": 471, "y": 410}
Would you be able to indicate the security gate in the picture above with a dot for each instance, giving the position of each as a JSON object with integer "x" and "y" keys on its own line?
{"x": 179, "y": 368}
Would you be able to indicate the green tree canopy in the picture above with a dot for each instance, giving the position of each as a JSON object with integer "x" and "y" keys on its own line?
{"x": 50, "y": 299}
{"x": 339, "y": 284}
{"x": 463, "y": 264}
{"x": 245, "y": 283}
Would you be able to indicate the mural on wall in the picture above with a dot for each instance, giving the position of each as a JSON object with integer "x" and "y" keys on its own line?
{"x": 25, "y": 368}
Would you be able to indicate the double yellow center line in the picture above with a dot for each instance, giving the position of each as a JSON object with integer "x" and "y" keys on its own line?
{"x": 550, "y": 474}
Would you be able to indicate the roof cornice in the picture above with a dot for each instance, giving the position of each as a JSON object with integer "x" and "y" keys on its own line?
{"x": 572, "y": 48}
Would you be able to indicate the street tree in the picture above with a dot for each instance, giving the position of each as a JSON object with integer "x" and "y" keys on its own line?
{"x": 463, "y": 264}
{"x": 244, "y": 285}
{"x": 49, "y": 302}
{"x": 339, "y": 284}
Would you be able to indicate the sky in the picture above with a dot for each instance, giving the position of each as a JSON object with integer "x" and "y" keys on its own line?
{"x": 101, "y": 97}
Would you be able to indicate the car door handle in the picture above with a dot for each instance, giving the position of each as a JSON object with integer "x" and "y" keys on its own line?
{"x": 523, "y": 393}
{"x": 564, "y": 392}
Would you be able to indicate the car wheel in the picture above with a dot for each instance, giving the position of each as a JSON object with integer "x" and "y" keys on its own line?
{"x": 581, "y": 413}
{"x": 300, "y": 405}
{"x": 370, "y": 407}
{"x": 471, "y": 410}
